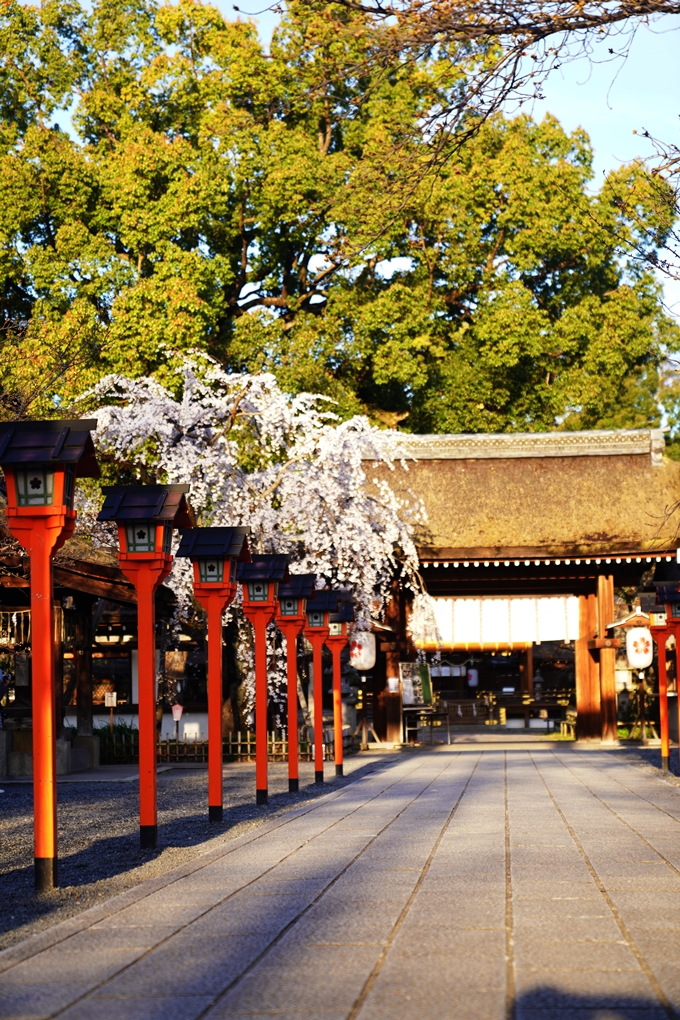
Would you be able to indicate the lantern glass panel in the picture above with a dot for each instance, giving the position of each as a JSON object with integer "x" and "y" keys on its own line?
{"x": 211, "y": 570}
{"x": 675, "y": 610}
{"x": 289, "y": 607}
{"x": 167, "y": 538}
{"x": 335, "y": 629}
{"x": 141, "y": 537}
{"x": 315, "y": 618}
{"x": 232, "y": 570}
{"x": 35, "y": 487}
{"x": 258, "y": 591}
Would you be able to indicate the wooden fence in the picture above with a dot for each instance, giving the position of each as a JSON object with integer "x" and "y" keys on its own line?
{"x": 122, "y": 748}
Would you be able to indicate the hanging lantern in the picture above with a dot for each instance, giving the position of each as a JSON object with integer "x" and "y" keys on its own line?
{"x": 473, "y": 677}
{"x": 362, "y": 650}
{"x": 639, "y": 647}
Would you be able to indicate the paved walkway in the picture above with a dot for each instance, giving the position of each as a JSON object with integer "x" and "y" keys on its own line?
{"x": 533, "y": 885}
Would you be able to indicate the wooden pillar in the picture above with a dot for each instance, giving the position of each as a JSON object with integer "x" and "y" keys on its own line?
{"x": 83, "y": 667}
{"x": 587, "y": 673}
{"x": 58, "y": 619}
{"x": 608, "y": 700}
{"x": 526, "y": 671}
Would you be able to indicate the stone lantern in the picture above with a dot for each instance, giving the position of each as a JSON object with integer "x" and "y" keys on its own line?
{"x": 40, "y": 461}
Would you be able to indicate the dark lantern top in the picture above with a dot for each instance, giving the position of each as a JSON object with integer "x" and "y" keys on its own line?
{"x": 147, "y": 503}
{"x": 198, "y": 543}
{"x": 50, "y": 442}
{"x": 264, "y": 568}
{"x": 299, "y": 586}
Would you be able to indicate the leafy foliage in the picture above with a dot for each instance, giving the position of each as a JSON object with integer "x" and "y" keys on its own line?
{"x": 277, "y": 212}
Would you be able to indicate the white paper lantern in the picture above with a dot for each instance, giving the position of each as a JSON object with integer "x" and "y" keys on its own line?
{"x": 639, "y": 647}
{"x": 472, "y": 677}
{"x": 362, "y": 650}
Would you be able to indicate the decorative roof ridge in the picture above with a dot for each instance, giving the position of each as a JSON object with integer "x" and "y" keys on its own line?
{"x": 512, "y": 445}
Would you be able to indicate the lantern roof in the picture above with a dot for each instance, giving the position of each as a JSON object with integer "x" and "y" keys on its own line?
{"x": 325, "y": 600}
{"x": 264, "y": 568}
{"x": 345, "y": 610}
{"x": 147, "y": 503}
{"x": 50, "y": 442}
{"x": 220, "y": 542}
{"x": 299, "y": 586}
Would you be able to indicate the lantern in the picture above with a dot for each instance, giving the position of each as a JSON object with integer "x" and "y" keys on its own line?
{"x": 362, "y": 650}
{"x": 338, "y": 636}
{"x": 40, "y": 460}
{"x": 215, "y": 553}
{"x": 639, "y": 647}
{"x": 260, "y": 580}
{"x": 146, "y": 515}
{"x": 290, "y": 619}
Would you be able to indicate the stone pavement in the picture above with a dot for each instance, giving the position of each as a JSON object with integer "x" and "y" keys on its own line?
{"x": 477, "y": 885}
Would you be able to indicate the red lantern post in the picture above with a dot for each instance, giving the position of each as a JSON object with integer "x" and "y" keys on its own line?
{"x": 146, "y": 515}
{"x": 338, "y": 637}
{"x": 214, "y": 553}
{"x": 290, "y": 619}
{"x": 316, "y": 632}
{"x": 260, "y": 580}
{"x": 40, "y": 461}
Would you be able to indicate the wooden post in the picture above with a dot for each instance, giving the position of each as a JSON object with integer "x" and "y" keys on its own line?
{"x": 526, "y": 671}
{"x": 83, "y": 667}
{"x": 608, "y": 699}
{"x": 587, "y": 673}
{"x": 58, "y": 617}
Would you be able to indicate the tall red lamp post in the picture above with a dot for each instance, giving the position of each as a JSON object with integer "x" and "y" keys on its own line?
{"x": 260, "y": 579}
{"x": 661, "y": 632}
{"x": 290, "y": 619}
{"x": 338, "y": 636}
{"x": 40, "y": 460}
{"x": 215, "y": 553}
{"x": 664, "y": 621}
{"x": 316, "y": 631}
{"x": 146, "y": 515}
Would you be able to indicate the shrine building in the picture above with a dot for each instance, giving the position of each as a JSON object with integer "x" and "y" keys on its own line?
{"x": 528, "y": 538}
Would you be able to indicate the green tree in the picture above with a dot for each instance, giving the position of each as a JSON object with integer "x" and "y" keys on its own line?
{"x": 276, "y": 210}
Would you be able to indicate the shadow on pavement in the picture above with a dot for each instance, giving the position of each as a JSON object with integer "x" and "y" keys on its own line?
{"x": 549, "y": 1003}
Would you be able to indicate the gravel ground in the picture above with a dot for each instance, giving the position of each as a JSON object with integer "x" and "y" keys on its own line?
{"x": 99, "y": 853}
{"x": 649, "y": 758}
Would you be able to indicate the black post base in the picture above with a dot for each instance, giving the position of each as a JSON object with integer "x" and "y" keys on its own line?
{"x": 339, "y": 770}
{"x": 293, "y": 785}
{"x": 664, "y": 764}
{"x": 148, "y": 837}
{"x": 45, "y": 873}
{"x": 260, "y": 797}
{"x": 215, "y": 814}
{"x": 318, "y": 778}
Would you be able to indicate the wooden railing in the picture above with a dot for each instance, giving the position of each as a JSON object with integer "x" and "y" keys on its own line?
{"x": 118, "y": 748}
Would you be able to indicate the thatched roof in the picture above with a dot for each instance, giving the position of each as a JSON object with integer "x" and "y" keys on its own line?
{"x": 541, "y": 495}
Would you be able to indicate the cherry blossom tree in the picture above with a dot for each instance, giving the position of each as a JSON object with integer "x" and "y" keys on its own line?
{"x": 283, "y": 465}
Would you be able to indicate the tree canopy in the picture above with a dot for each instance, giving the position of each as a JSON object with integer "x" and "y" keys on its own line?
{"x": 166, "y": 184}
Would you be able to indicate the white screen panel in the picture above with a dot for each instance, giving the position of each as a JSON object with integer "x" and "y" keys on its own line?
{"x": 467, "y": 621}
{"x": 522, "y": 621}
{"x": 496, "y": 621}
{"x": 443, "y": 614}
